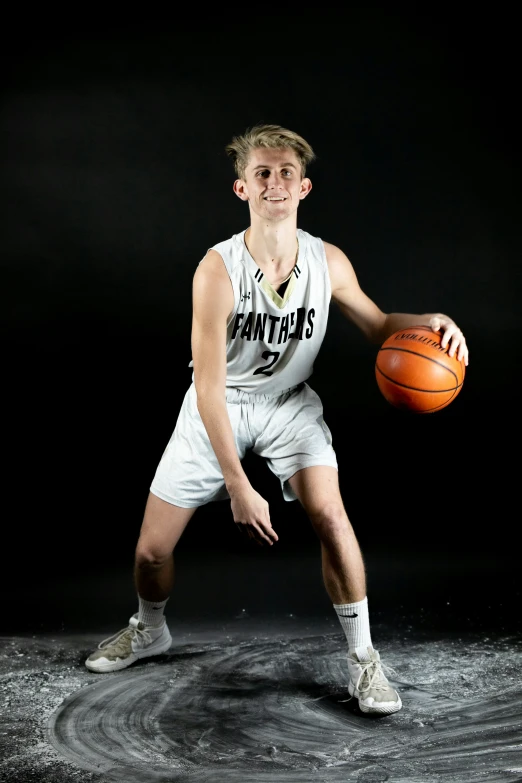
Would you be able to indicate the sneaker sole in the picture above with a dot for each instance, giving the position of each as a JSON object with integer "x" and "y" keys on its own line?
{"x": 114, "y": 666}
{"x": 389, "y": 709}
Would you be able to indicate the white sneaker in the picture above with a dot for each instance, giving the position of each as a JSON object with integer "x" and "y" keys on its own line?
{"x": 368, "y": 683}
{"x": 128, "y": 645}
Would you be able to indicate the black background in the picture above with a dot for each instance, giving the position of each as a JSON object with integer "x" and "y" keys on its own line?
{"x": 115, "y": 183}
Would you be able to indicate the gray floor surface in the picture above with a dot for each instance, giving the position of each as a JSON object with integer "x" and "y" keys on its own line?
{"x": 256, "y": 690}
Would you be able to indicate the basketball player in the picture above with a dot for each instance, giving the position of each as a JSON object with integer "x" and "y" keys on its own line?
{"x": 260, "y": 307}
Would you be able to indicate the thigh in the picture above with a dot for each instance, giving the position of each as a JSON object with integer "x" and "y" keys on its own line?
{"x": 294, "y": 436}
{"x": 317, "y": 489}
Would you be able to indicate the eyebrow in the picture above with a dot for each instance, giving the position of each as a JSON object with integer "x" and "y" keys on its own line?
{"x": 283, "y": 165}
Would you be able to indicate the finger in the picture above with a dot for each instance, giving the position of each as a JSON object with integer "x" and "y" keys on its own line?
{"x": 244, "y": 530}
{"x": 255, "y": 538}
{"x": 452, "y": 346}
{"x": 456, "y": 340}
{"x": 463, "y": 351}
{"x": 464, "y": 354}
{"x": 447, "y": 336}
{"x": 261, "y": 534}
{"x": 250, "y": 532}
{"x": 269, "y": 529}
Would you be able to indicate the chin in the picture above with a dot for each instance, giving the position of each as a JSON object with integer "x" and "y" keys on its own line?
{"x": 277, "y": 214}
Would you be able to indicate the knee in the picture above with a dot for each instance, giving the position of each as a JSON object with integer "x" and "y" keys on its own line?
{"x": 331, "y": 522}
{"x": 151, "y": 555}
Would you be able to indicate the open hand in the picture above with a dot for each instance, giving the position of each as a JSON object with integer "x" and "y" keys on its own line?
{"x": 251, "y": 515}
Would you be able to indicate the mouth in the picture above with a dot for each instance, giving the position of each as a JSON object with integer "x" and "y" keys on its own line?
{"x": 274, "y": 198}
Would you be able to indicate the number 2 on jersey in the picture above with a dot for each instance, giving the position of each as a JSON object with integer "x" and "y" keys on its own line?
{"x": 264, "y": 369}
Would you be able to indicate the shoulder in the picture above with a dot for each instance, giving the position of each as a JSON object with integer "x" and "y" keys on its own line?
{"x": 211, "y": 262}
{"x": 212, "y": 292}
{"x": 334, "y": 254}
{"x": 211, "y": 271}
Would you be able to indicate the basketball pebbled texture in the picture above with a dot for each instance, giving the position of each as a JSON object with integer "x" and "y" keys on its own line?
{"x": 415, "y": 373}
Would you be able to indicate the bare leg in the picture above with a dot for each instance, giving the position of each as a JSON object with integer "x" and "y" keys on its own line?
{"x": 345, "y": 580}
{"x": 161, "y": 529}
{"x": 343, "y": 568}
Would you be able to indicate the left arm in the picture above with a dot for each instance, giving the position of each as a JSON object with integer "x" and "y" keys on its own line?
{"x": 372, "y": 321}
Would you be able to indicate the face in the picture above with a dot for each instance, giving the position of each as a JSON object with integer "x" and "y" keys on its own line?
{"x": 272, "y": 184}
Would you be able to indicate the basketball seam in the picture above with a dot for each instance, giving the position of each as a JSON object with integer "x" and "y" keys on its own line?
{"x": 437, "y": 407}
{"x": 417, "y": 388}
{"x": 416, "y": 353}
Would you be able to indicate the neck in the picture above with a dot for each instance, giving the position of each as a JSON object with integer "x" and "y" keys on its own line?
{"x": 272, "y": 246}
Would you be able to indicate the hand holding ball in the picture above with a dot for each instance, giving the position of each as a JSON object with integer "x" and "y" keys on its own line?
{"x": 415, "y": 373}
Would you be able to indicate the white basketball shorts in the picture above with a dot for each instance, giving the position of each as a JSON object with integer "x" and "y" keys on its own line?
{"x": 287, "y": 430}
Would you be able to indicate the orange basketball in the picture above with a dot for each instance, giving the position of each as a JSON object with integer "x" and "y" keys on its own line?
{"x": 415, "y": 373}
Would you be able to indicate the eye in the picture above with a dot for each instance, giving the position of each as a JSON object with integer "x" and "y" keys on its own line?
{"x": 263, "y": 173}
{"x": 287, "y": 172}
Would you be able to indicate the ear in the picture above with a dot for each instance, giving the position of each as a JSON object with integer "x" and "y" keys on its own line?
{"x": 240, "y": 190}
{"x": 306, "y": 187}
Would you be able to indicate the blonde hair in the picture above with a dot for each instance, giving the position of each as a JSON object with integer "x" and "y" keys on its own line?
{"x": 273, "y": 137}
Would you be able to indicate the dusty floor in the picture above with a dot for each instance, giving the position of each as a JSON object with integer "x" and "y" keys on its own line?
{"x": 238, "y": 704}
{"x": 243, "y": 695}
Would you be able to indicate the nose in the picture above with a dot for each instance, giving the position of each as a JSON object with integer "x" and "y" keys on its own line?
{"x": 275, "y": 180}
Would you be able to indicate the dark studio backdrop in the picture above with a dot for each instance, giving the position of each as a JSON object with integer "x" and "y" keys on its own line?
{"x": 115, "y": 183}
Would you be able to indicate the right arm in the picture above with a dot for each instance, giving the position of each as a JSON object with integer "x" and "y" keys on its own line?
{"x": 212, "y": 304}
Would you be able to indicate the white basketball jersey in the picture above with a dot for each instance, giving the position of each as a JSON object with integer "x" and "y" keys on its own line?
{"x": 273, "y": 340}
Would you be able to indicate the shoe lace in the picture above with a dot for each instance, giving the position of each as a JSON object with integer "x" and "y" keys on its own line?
{"x": 373, "y": 676}
{"x": 121, "y": 639}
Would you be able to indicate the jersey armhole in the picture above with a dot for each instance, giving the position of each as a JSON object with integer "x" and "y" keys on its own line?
{"x": 326, "y": 271}
{"x": 235, "y": 286}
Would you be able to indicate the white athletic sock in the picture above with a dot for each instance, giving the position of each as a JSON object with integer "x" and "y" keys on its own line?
{"x": 355, "y": 621}
{"x": 150, "y": 613}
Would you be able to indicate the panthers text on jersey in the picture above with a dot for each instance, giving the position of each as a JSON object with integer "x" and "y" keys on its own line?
{"x": 273, "y": 340}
